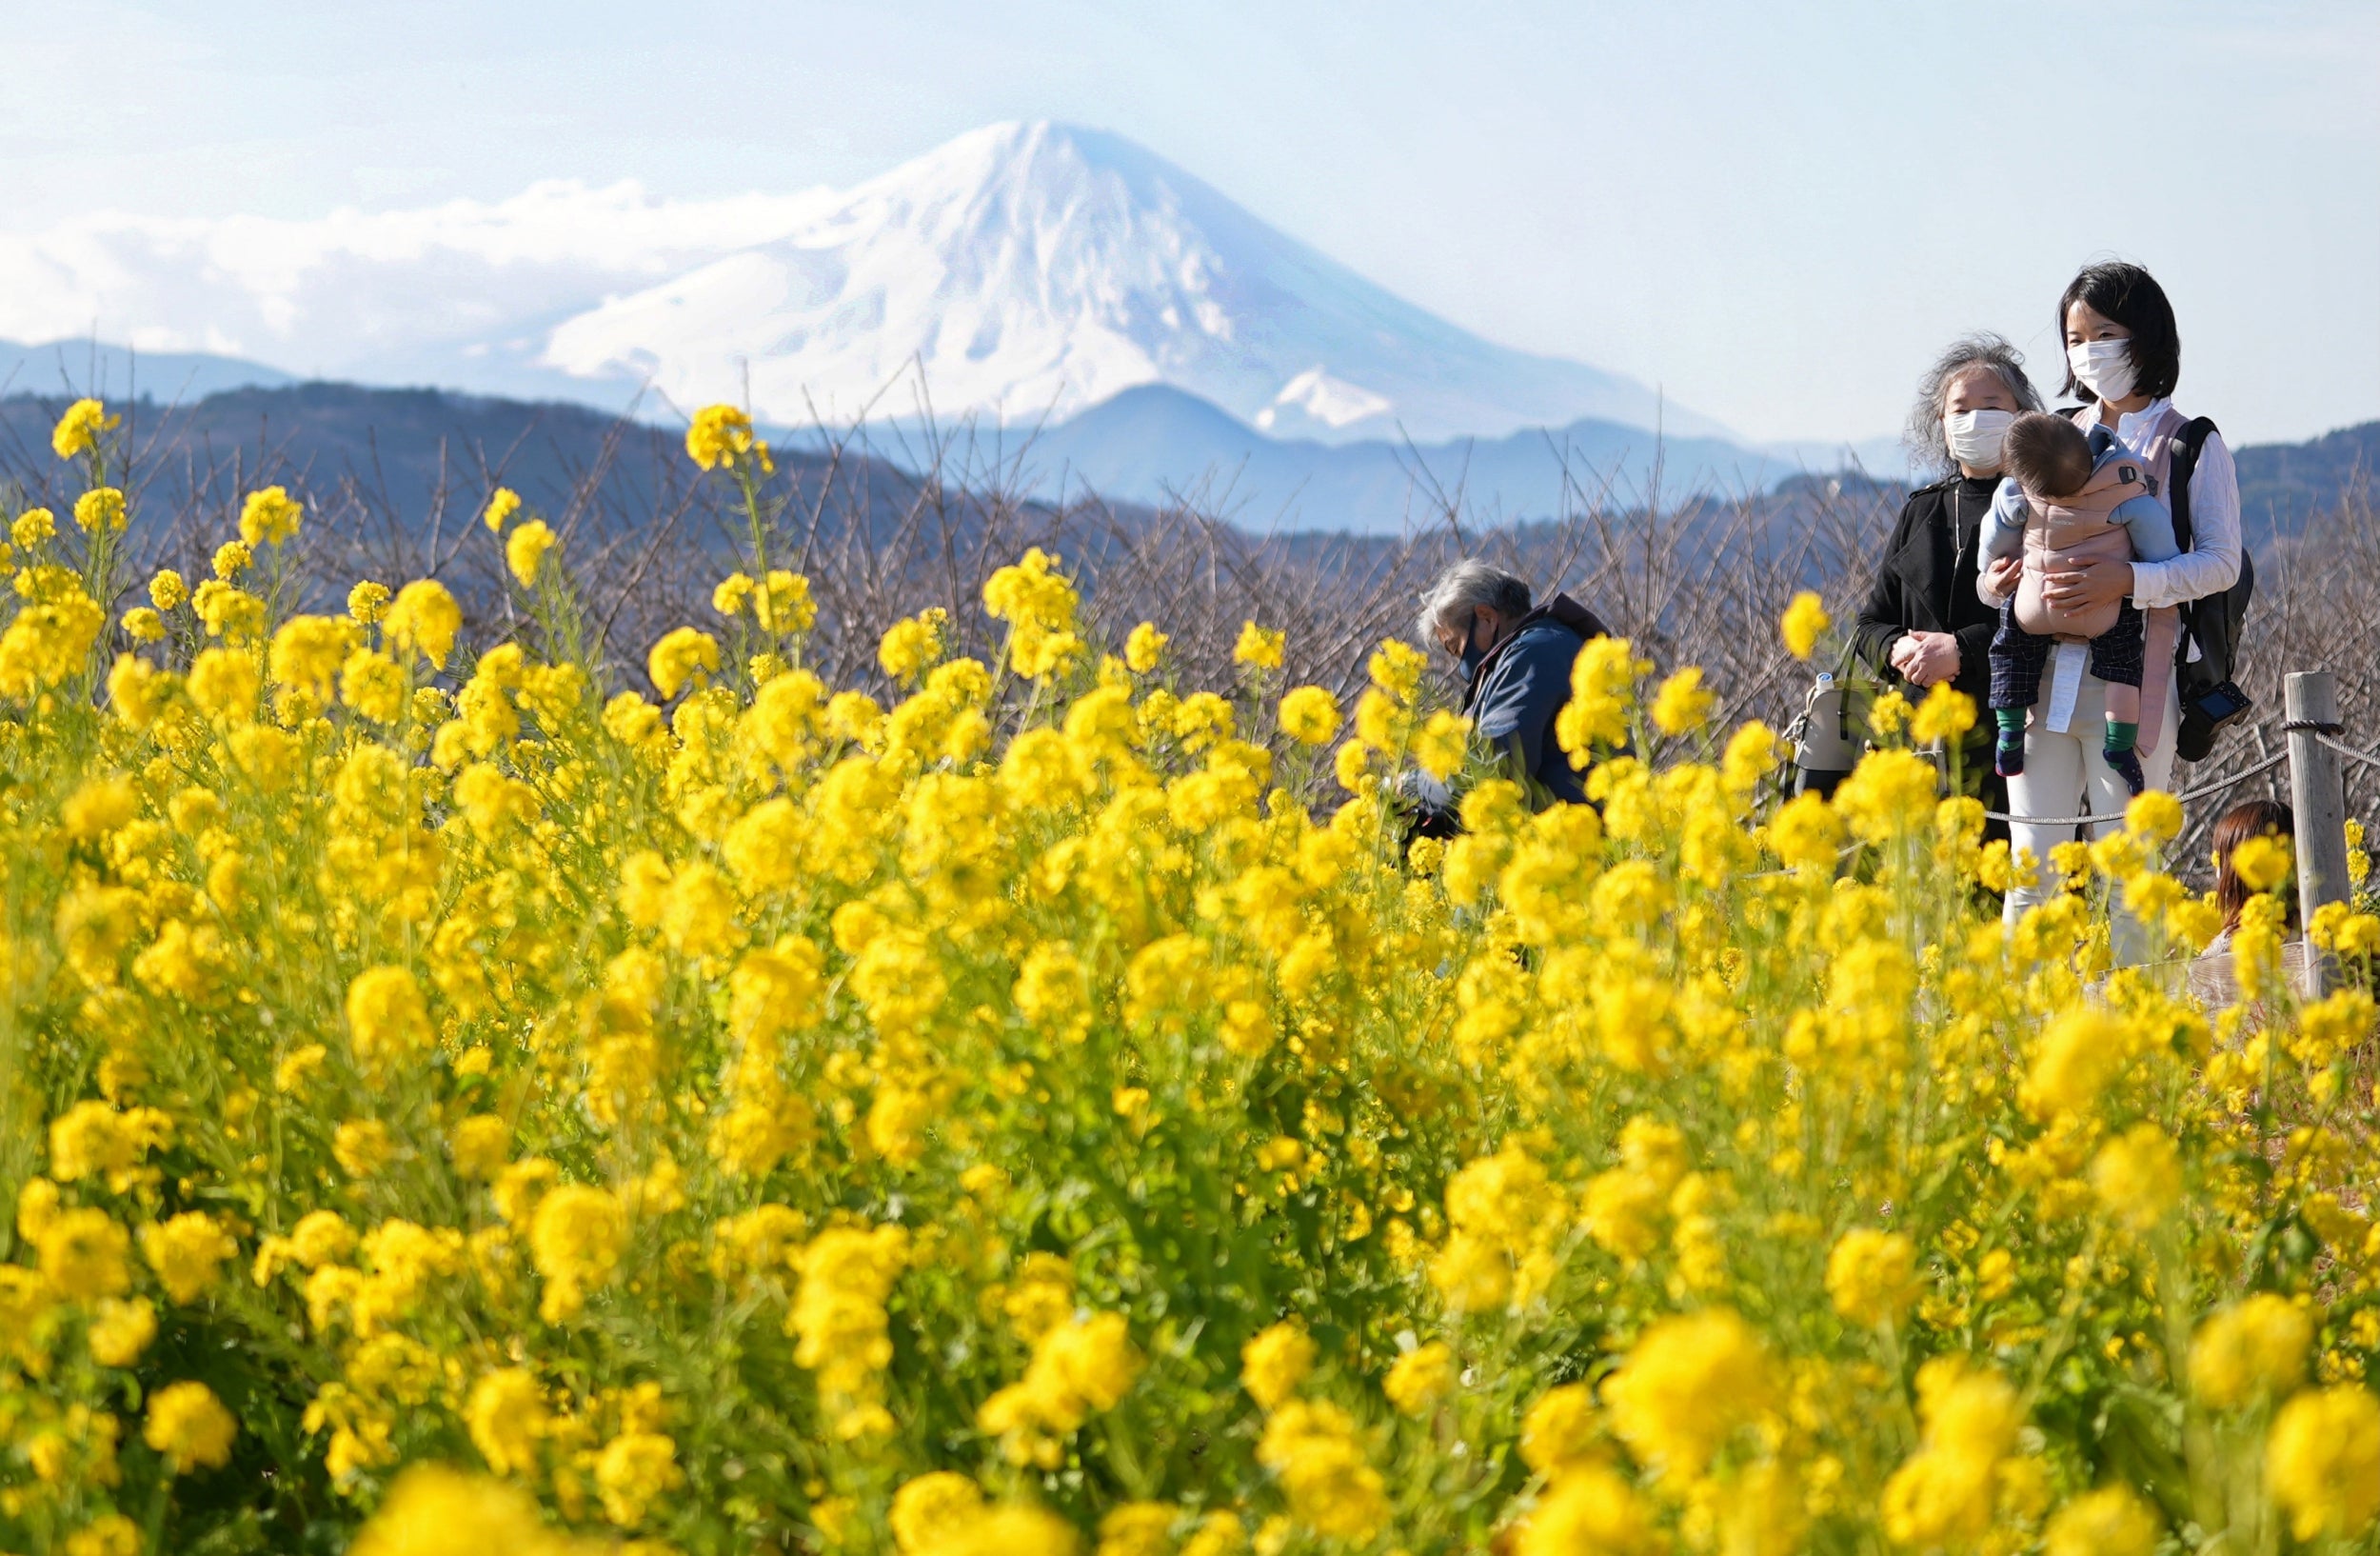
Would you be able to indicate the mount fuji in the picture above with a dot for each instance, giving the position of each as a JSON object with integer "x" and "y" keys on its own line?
{"x": 1026, "y": 271}
{"x": 1033, "y": 270}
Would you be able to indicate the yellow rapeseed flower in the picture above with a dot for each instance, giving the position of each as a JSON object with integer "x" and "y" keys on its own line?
{"x": 433, "y": 1511}
{"x": 1590, "y": 1509}
{"x": 1276, "y": 1362}
{"x": 120, "y": 1331}
{"x": 682, "y": 657}
{"x": 2113, "y": 1521}
{"x": 85, "y": 1255}
{"x": 189, "y": 1426}
{"x": 1145, "y": 647}
{"x": 270, "y": 517}
{"x": 424, "y": 616}
{"x": 2255, "y": 1348}
{"x": 1420, "y": 1378}
{"x": 525, "y": 548}
{"x": 1683, "y": 704}
{"x": 1804, "y": 622}
{"x": 502, "y": 504}
{"x": 721, "y": 435}
{"x": 187, "y": 1252}
{"x": 1310, "y": 716}
{"x": 1686, "y": 1387}
{"x": 2262, "y": 862}
{"x": 79, "y": 429}
{"x": 2323, "y": 1462}
{"x": 1946, "y": 714}
{"x": 506, "y": 1417}
{"x": 1872, "y": 1276}
{"x": 1259, "y": 647}
{"x": 2138, "y": 1176}
{"x": 2156, "y": 815}
{"x": 100, "y": 511}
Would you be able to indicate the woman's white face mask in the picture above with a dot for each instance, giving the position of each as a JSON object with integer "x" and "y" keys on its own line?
{"x": 2103, "y": 366}
{"x": 1974, "y": 437}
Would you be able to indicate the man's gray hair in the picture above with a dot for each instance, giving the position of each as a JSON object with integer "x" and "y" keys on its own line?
{"x": 1927, "y": 444}
{"x": 1465, "y": 587}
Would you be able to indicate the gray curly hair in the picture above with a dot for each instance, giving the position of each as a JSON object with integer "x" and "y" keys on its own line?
{"x": 1465, "y": 587}
{"x": 1923, "y": 435}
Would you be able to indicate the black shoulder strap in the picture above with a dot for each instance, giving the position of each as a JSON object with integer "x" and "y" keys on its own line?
{"x": 2180, "y": 465}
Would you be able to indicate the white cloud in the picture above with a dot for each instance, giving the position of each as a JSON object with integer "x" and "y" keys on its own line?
{"x": 346, "y": 290}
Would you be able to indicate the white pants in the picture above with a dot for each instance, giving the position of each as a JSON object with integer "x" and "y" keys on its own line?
{"x": 2061, "y": 767}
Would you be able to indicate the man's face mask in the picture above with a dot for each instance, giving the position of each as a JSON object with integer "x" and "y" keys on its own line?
{"x": 1472, "y": 652}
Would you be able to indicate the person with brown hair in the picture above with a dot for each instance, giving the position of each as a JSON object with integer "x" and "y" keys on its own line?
{"x": 2214, "y": 973}
{"x": 2250, "y": 818}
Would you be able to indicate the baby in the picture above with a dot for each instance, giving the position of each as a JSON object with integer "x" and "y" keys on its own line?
{"x": 2061, "y": 506}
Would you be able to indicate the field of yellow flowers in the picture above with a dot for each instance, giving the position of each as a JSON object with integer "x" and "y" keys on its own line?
{"x": 455, "y": 1105}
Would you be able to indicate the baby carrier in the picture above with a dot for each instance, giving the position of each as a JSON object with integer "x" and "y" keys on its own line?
{"x": 2072, "y": 530}
{"x": 2211, "y": 700}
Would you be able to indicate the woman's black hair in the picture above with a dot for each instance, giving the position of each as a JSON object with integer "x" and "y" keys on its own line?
{"x": 2130, "y": 296}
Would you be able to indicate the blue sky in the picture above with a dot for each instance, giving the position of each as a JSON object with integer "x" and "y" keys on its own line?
{"x": 1775, "y": 211}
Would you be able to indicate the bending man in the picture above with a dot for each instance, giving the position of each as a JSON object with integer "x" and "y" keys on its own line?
{"x": 1516, "y": 663}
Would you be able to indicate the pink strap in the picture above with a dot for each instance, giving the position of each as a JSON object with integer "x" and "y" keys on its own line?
{"x": 2163, "y": 634}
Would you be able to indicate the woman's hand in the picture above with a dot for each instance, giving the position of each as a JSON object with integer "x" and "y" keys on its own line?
{"x": 2001, "y": 577}
{"x": 1925, "y": 658}
{"x": 2082, "y": 586}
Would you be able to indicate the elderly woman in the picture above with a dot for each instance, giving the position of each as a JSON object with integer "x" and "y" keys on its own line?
{"x": 2123, "y": 356}
{"x": 1516, "y": 661}
{"x": 1923, "y": 622}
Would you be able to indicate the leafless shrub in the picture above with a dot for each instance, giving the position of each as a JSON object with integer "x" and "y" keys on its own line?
{"x": 885, "y": 525}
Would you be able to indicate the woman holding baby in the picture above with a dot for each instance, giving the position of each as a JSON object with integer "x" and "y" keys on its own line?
{"x": 2123, "y": 354}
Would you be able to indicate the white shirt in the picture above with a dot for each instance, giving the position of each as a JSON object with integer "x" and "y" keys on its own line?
{"x": 2212, "y": 563}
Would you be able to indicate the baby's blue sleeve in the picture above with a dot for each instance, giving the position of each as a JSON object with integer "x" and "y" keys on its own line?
{"x": 2004, "y": 526}
{"x": 2151, "y": 523}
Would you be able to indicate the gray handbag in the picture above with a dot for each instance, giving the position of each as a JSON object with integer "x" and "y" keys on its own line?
{"x": 1831, "y": 734}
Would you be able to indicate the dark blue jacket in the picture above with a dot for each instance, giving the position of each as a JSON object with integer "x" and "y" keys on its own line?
{"x": 1520, "y": 686}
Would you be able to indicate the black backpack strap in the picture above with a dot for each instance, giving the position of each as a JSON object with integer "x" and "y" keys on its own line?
{"x": 2206, "y": 622}
{"x": 2181, "y": 464}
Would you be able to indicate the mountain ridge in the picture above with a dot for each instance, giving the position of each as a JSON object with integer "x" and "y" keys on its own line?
{"x": 1032, "y": 270}
{"x": 1041, "y": 269}
{"x": 420, "y": 443}
{"x": 1153, "y": 443}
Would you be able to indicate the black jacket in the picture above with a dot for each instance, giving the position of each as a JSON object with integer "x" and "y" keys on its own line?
{"x": 1927, "y": 581}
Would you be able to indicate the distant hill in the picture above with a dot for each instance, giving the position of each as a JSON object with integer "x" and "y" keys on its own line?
{"x": 76, "y": 368}
{"x": 1153, "y": 444}
{"x": 409, "y": 455}
{"x": 2282, "y": 484}
{"x": 414, "y": 453}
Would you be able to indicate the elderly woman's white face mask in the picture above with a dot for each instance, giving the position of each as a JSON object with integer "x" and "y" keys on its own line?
{"x": 1974, "y": 437}
{"x": 1977, "y": 411}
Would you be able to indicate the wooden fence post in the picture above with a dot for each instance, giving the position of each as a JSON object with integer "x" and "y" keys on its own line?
{"x": 2318, "y": 795}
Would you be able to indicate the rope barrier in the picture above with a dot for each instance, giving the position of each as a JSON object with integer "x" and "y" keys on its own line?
{"x": 2366, "y": 758}
{"x": 2200, "y": 792}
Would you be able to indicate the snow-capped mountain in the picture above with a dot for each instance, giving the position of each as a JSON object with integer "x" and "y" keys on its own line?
{"x": 1029, "y": 270}
{"x": 1035, "y": 269}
